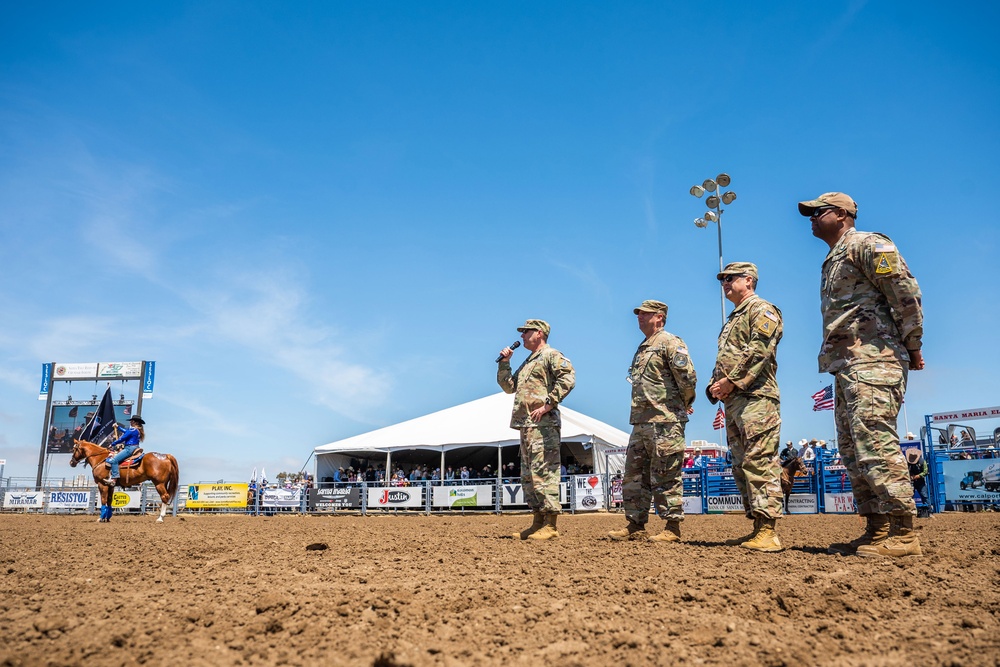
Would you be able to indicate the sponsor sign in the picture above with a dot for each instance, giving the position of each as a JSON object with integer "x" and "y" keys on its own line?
{"x": 327, "y": 500}
{"x": 120, "y": 369}
{"x": 22, "y": 498}
{"x": 127, "y": 500}
{"x": 147, "y": 379}
{"x": 462, "y": 496}
{"x": 513, "y": 494}
{"x": 839, "y": 503}
{"x": 962, "y": 415}
{"x": 385, "y": 497}
{"x": 218, "y": 495}
{"x": 589, "y": 492}
{"x": 43, "y": 392}
{"x": 802, "y": 503}
{"x": 279, "y": 498}
{"x": 692, "y": 505}
{"x": 64, "y": 371}
{"x": 69, "y": 500}
{"x": 972, "y": 481}
{"x": 720, "y": 504}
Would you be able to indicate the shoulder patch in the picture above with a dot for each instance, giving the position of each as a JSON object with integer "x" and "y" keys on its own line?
{"x": 766, "y": 326}
{"x": 682, "y": 350}
{"x": 885, "y": 261}
{"x": 885, "y": 247}
{"x": 770, "y": 315}
{"x": 680, "y": 360}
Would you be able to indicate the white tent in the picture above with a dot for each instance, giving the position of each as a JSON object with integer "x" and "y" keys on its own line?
{"x": 483, "y": 423}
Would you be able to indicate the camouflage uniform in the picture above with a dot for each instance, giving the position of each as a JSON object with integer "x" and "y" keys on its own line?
{"x": 663, "y": 388}
{"x": 748, "y": 346}
{"x": 872, "y": 317}
{"x": 545, "y": 377}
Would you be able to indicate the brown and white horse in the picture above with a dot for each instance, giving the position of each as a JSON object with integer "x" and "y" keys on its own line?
{"x": 161, "y": 469}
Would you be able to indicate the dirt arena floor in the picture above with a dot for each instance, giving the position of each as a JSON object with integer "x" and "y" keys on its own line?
{"x": 457, "y": 590}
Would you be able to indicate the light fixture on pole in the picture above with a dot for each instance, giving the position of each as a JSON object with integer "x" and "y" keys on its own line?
{"x": 714, "y": 203}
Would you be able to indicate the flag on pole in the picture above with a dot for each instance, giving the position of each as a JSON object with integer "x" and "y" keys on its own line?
{"x": 823, "y": 399}
{"x": 263, "y": 477}
{"x": 253, "y": 476}
{"x": 102, "y": 426}
{"x": 720, "y": 420}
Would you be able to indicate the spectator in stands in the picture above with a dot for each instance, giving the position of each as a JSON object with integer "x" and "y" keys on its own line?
{"x": 689, "y": 460}
{"x": 464, "y": 475}
{"x": 699, "y": 460}
{"x": 449, "y": 475}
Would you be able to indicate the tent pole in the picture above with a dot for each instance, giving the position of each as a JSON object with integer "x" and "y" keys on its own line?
{"x": 441, "y": 476}
{"x": 388, "y": 463}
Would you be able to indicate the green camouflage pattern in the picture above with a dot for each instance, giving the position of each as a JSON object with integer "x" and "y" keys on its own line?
{"x": 540, "y": 468}
{"x": 867, "y": 402}
{"x": 871, "y": 304}
{"x": 545, "y": 375}
{"x": 663, "y": 380}
{"x": 653, "y": 466}
{"x": 753, "y": 425}
{"x": 748, "y": 348}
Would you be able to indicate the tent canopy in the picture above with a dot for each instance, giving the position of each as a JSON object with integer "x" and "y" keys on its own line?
{"x": 480, "y": 423}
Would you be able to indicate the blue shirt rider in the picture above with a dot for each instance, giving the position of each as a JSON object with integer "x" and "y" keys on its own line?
{"x": 130, "y": 442}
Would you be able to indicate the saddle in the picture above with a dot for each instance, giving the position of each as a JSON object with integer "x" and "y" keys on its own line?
{"x": 132, "y": 461}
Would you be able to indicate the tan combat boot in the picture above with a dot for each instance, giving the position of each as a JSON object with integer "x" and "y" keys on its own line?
{"x": 537, "y": 522}
{"x": 548, "y": 531}
{"x": 671, "y": 533}
{"x": 876, "y": 530}
{"x": 634, "y": 531}
{"x": 765, "y": 539}
{"x": 736, "y": 541}
{"x": 902, "y": 540}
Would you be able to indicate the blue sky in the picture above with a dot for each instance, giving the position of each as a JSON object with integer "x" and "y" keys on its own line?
{"x": 323, "y": 218}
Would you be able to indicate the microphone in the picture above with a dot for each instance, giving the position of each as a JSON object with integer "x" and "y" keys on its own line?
{"x": 516, "y": 344}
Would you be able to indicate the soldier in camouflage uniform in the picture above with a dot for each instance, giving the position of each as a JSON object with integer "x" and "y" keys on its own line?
{"x": 663, "y": 389}
{"x": 539, "y": 385}
{"x": 745, "y": 380}
{"x": 872, "y": 329}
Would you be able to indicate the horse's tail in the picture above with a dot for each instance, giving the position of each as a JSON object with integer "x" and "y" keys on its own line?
{"x": 173, "y": 477}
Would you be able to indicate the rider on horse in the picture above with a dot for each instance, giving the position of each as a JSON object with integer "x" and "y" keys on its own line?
{"x": 130, "y": 442}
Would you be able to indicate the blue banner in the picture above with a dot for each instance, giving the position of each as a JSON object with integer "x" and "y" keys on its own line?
{"x": 43, "y": 393}
{"x": 147, "y": 379}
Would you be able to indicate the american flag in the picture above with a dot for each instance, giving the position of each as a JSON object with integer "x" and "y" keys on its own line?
{"x": 720, "y": 420}
{"x": 823, "y": 399}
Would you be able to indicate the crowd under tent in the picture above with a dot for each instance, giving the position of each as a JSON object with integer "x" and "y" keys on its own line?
{"x": 472, "y": 434}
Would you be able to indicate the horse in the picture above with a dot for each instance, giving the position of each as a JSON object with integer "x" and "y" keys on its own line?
{"x": 161, "y": 469}
{"x": 788, "y": 473}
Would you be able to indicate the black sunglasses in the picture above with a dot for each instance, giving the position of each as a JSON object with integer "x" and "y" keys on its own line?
{"x": 730, "y": 278}
{"x": 821, "y": 210}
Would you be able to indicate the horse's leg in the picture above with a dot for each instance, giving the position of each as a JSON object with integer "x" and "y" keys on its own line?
{"x": 161, "y": 488}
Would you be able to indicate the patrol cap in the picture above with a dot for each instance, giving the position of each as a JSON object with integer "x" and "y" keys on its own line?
{"x": 738, "y": 269}
{"x": 651, "y": 306}
{"x": 838, "y": 199}
{"x": 537, "y": 325}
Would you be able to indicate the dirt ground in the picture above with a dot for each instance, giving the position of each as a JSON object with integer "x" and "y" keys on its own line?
{"x": 457, "y": 590}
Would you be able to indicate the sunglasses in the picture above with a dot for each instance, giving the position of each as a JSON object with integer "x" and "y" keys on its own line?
{"x": 821, "y": 210}
{"x": 730, "y": 278}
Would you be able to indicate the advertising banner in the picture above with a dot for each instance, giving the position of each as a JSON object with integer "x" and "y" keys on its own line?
{"x": 206, "y": 496}
{"x": 839, "y": 503}
{"x": 147, "y": 379}
{"x": 120, "y": 369}
{"x": 128, "y": 500}
{"x": 22, "y": 498}
{"x": 720, "y": 504}
{"x": 692, "y": 505}
{"x": 802, "y": 503}
{"x": 43, "y": 391}
{"x": 75, "y": 371}
{"x": 327, "y": 500}
{"x": 589, "y": 492}
{"x": 963, "y": 415}
{"x": 279, "y": 498}
{"x": 462, "y": 496}
{"x": 69, "y": 500}
{"x": 972, "y": 481}
{"x": 513, "y": 494}
{"x": 381, "y": 497}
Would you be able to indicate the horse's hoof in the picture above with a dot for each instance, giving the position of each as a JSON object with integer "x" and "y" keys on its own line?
{"x": 160, "y": 520}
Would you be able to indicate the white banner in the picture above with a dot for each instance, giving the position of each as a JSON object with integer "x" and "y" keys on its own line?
{"x": 462, "y": 496}
{"x": 972, "y": 480}
{"x": 74, "y": 371}
{"x": 119, "y": 369}
{"x": 69, "y": 500}
{"x": 692, "y": 505}
{"x": 718, "y": 504}
{"x": 281, "y": 498}
{"x": 839, "y": 503}
{"x": 802, "y": 503}
{"x": 22, "y": 498}
{"x": 129, "y": 500}
{"x": 394, "y": 496}
{"x": 963, "y": 415}
{"x": 513, "y": 494}
{"x": 589, "y": 492}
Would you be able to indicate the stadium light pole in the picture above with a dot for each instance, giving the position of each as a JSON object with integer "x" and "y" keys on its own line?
{"x": 714, "y": 203}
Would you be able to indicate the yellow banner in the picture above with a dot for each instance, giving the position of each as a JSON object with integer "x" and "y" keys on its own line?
{"x": 217, "y": 495}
